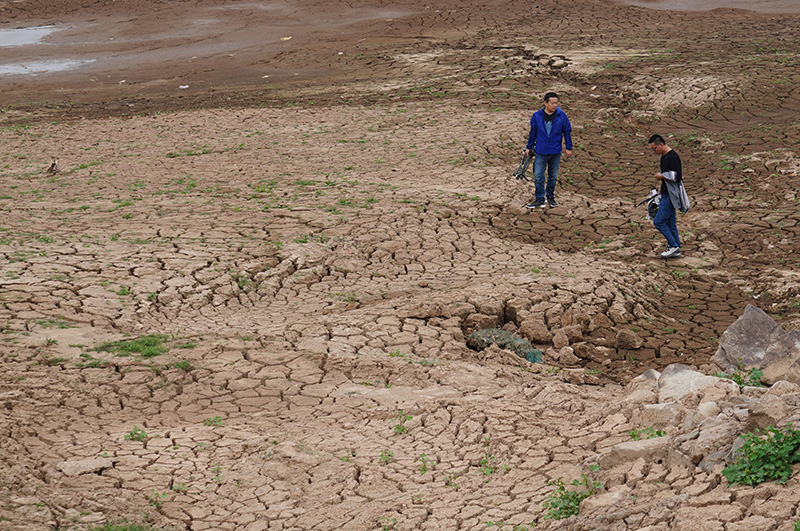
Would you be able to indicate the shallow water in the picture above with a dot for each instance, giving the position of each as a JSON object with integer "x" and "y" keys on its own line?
{"x": 761, "y": 6}
{"x": 42, "y": 67}
{"x": 25, "y": 36}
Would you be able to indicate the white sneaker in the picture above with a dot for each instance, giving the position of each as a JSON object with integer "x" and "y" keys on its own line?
{"x": 671, "y": 252}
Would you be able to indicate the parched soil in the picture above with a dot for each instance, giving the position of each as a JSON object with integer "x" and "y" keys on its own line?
{"x": 308, "y": 228}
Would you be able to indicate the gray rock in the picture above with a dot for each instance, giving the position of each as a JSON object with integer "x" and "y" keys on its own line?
{"x": 643, "y": 388}
{"x": 678, "y": 380}
{"x": 626, "y": 452}
{"x": 746, "y": 341}
{"x": 715, "y": 436}
{"x": 660, "y": 415}
{"x": 614, "y": 498}
{"x": 755, "y": 340}
{"x": 767, "y": 411}
{"x": 708, "y": 409}
{"x": 782, "y": 388}
{"x": 84, "y": 466}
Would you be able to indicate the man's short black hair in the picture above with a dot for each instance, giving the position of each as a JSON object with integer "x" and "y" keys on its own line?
{"x": 657, "y": 140}
{"x": 550, "y": 95}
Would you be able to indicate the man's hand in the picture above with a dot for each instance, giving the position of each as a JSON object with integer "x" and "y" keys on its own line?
{"x": 568, "y": 153}
{"x": 659, "y": 176}
{"x": 527, "y": 152}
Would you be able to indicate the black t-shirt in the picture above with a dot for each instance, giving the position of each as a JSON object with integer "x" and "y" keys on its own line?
{"x": 670, "y": 162}
{"x": 548, "y": 117}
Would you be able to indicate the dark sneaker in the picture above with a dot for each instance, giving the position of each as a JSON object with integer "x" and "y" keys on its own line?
{"x": 552, "y": 202}
{"x": 535, "y": 204}
{"x": 672, "y": 252}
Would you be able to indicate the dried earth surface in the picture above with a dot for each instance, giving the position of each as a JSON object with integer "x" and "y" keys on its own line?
{"x": 305, "y": 208}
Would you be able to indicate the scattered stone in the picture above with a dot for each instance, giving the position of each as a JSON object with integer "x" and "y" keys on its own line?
{"x": 626, "y": 452}
{"x": 660, "y": 415}
{"x": 536, "y": 330}
{"x": 767, "y": 411}
{"x": 84, "y": 466}
{"x": 629, "y": 340}
{"x": 566, "y": 356}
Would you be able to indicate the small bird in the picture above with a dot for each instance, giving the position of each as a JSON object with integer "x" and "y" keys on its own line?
{"x": 54, "y": 168}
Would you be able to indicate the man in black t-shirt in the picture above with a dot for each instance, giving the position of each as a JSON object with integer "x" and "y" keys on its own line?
{"x": 671, "y": 177}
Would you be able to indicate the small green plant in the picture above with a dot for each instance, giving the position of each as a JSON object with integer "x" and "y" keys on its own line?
{"x": 387, "y": 524}
{"x": 796, "y": 526}
{"x": 750, "y": 378}
{"x": 242, "y": 280}
{"x": 450, "y": 481}
{"x": 156, "y": 499}
{"x": 347, "y": 296}
{"x": 563, "y": 503}
{"x": 401, "y": 427}
{"x": 487, "y": 465}
{"x": 387, "y": 456}
{"x": 217, "y": 470}
{"x": 767, "y": 454}
{"x": 647, "y": 433}
{"x": 213, "y": 421}
{"x": 136, "y": 434}
{"x": 423, "y": 463}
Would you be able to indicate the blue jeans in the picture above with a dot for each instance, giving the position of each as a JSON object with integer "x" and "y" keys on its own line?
{"x": 551, "y": 162}
{"x": 666, "y": 221}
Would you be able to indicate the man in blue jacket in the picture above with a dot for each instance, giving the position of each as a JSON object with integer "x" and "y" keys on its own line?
{"x": 548, "y": 126}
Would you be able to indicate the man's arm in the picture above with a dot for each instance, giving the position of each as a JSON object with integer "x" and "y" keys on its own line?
{"x": 568, "y": 137}
{"x": 531, "y": 137}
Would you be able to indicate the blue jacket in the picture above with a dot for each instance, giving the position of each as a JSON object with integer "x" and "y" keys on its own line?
{"x": 539, "y": 139}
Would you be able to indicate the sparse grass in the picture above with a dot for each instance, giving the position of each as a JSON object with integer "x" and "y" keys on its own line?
{"x": 53, "y": 323}
{"x": 213, "y": 421}
{"x": 183, "y": 365}
{"x": 750, "y": 378}
{"x": 148, "y": 346}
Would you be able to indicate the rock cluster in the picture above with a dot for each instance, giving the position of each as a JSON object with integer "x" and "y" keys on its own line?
{"x": 689, "y": 428}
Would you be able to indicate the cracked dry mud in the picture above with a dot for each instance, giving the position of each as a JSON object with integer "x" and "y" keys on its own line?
{"x": 313, "y": 255}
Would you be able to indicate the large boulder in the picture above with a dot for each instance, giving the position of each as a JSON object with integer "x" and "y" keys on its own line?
{"x": 678, "y": 381}
{"x": 755, "y": 340}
